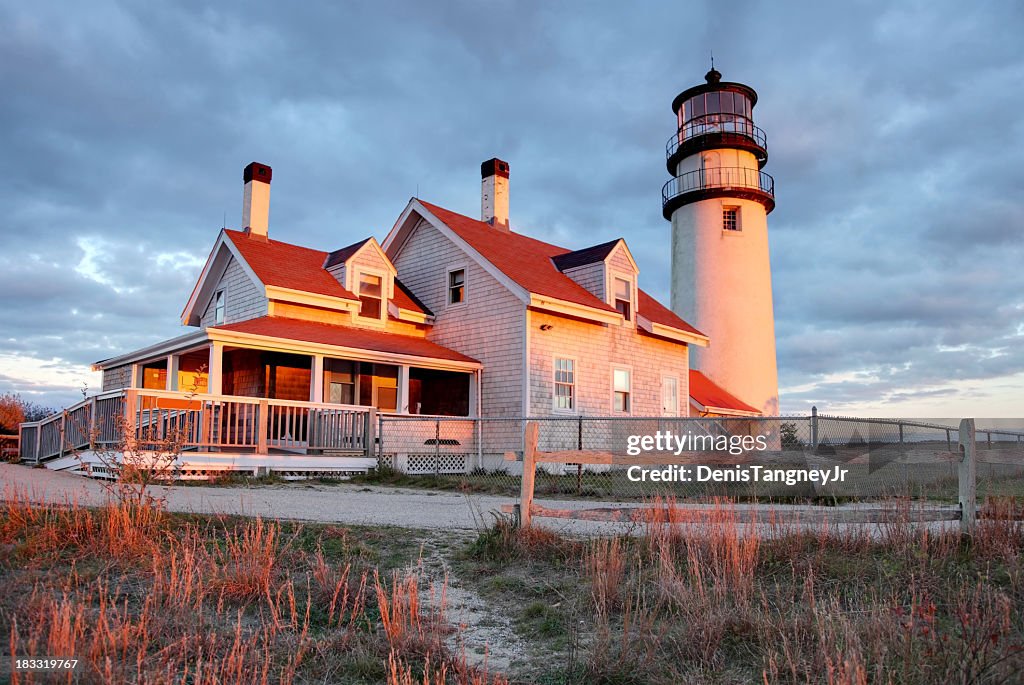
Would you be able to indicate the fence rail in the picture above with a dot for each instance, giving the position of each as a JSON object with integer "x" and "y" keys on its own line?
{"x": 531, "y": 457}
{"x": 881, "y": 456}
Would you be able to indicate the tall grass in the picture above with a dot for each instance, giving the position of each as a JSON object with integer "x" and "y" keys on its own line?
{"x": 717, "y": 600}
{"x": 142, "y": 596}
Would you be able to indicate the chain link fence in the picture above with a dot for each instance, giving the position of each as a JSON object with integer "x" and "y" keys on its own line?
{"x": 725, "y": 457}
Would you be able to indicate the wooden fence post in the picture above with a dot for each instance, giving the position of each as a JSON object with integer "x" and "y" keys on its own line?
{"x": 968, "y": 477}
{"x": 814, "y": 429}
{"x": 530, "y": 439}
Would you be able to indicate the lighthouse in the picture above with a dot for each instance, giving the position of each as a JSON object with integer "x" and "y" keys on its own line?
{"x": 718, "y": 201}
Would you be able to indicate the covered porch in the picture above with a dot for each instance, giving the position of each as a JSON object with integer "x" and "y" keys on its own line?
{"x": 242, "y": 364}
{"x": 240, "y": 395}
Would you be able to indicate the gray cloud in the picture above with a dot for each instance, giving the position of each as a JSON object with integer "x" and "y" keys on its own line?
{"x": 894, "y": 134}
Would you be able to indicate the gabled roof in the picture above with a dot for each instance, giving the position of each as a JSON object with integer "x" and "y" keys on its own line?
{"x": 304, "y": 269}
{"x": 339, "y": 256}
{"x": 343, "y": 336}
{"x": 588, "y": 255}
{"x": 288, "y": 266}
{"x": 530, "y": 263}
{"x": 525, "y": 260}
{"x": 712, "y": 396}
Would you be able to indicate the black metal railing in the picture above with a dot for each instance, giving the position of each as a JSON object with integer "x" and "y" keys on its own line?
{"x": 729, "y": 177}
{"x": 708, "y": 124}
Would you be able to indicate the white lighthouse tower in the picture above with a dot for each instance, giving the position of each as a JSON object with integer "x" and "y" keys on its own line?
{"x": 718, "y": 202}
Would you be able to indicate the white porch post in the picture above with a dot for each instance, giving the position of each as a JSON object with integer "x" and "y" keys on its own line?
{"x": 474, "y": 394}
{"x": 136, "y": 380}
{"x": 316, "y": 382}
{"x": 216, "y": 367}
{"x": 172, "y": 372}
{"x": 402, "y": 403}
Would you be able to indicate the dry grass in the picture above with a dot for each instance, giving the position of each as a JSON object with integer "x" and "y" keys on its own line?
{"x": 718, "y": 601}
{"x": 143, "y": 596}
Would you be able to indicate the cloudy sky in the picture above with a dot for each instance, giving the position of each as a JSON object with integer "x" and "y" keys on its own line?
{"x": 894, "y": 129}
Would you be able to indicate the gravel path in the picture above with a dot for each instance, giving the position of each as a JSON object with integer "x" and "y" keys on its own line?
{"x": 340, "y": 503}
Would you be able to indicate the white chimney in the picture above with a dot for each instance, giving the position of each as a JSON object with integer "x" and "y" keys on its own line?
{"x": 494, "y": 193}
{"x": 256, "y": 200}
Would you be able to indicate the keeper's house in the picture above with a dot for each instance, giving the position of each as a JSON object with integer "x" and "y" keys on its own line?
{"x": 297, "y": 352}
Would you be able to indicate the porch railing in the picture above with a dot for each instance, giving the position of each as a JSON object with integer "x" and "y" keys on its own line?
{"x": 154, "y": 420}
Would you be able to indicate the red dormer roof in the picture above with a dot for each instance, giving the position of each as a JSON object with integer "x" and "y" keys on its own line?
{"x": 530, "y": 263}
{"x": 288, "y": 266}
{"x": 302, "y": 268}
{"x": 710, "y": 395}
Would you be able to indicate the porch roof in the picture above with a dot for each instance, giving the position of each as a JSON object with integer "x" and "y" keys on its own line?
{"x": 343, "y": 336}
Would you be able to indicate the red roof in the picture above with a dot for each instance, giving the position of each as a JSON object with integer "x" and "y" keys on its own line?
{"x": 528, "y": 262}
{"x": 343, "y": 336}
{"x": 659, "y": 313}
{"x": 288, "y": 266}
{"x": 300, "y": 268}
{"x": 708, "y": 394}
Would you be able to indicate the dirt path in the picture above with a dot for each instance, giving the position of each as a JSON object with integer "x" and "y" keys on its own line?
{"x": 485, "y": 634}
{"x": 334, "y": 503}
{"x": 345, "y": 503}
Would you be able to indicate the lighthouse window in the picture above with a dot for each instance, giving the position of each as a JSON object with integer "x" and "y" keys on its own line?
{"x": 731, "y": 218}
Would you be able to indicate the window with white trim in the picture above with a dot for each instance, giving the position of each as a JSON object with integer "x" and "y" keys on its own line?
{"x": 565, "y": 384}
{"x": 730, "y": 218}
{"x": 621, "y": 390}
{"x": 624, "y": 298}
{"x": 370, "y": 296}
{"x": 456, "y": 286}
{"x": 218, "y": 307}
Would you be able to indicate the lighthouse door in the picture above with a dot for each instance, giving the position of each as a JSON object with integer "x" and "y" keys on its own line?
{"x": 669, "y": 396}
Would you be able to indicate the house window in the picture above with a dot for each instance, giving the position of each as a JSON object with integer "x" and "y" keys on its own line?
{"x": 621, "y": 386}
{"x": 218, "y": 308}
{"x": 565, "y": 384}
{"x": 624, "y": 298}
{"x": 340, "y": 381}
{"x": 730, "y": 218}
{"x": 456, "y": 286}
{"x": 369, "y": 296}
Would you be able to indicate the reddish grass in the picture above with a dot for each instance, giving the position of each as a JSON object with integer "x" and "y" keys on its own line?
{"x": 140, "y": 597}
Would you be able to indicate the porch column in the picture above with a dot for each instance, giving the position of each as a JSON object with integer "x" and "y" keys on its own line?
{"x": 136, "y": 379}
{"x": 216, "y": 367}
{"x": 402, "y": 403}
{"x": 316, "y": 381}
{"x": 474, "y": 394}
{"x": 172, "y": 372}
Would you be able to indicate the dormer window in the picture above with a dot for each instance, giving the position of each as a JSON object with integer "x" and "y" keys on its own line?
{"x": 370, "y": 298}
{"x": 624, "y": 298}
